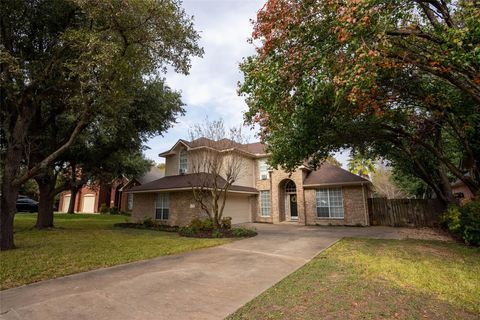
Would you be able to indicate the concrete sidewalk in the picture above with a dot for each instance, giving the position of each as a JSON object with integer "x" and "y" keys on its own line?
{"x": 204, "y": 284}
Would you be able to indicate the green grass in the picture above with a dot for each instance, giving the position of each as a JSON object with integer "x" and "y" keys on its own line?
{"x": 377, "y": 279}
{"x": 83, "y": 242}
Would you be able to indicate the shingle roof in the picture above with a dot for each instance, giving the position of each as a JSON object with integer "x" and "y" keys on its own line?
{"x": 187, "y": 181}
{"x": 256, "y": 148}
{"x": 153, "y": 174}
{"x": 328, "y": 174}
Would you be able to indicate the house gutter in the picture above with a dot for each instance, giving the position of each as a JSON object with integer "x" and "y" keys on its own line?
{"x": 364, "y": 205}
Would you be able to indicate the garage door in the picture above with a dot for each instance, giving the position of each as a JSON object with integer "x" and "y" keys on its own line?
{"x": 88, "y": 203}
{"x": 238, "y": 208}
{"x": 66, "y": 202}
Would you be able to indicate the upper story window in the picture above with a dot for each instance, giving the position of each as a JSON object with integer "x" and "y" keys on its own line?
{"x": 330, "y": 203}
{"x": 263, "y": 169}
{"x": 183, "y": 167}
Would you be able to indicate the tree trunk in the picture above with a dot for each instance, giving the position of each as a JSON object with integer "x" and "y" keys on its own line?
{"x": 46, "y": 186}
{"x": 8, "y": 209}
{"x": 73, "y": 198}
{"x": 10, "y": 171}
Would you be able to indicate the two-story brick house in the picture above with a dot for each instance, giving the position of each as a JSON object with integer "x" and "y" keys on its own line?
{"x": 328, "y": 195}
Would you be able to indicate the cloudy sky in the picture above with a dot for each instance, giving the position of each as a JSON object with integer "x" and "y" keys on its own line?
{"x": 211, "y": 87}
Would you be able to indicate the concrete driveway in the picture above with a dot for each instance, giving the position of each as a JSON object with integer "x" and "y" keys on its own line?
{"x": 204, "y": 284}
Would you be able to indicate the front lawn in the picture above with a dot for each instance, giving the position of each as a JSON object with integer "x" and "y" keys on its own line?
{"x": 377, "y": 279}
{"x": 83, "y": 242}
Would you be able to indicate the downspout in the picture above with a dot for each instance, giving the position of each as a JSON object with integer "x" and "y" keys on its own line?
{"x": 304, "y": 206}
{"x": 364, "y": 206}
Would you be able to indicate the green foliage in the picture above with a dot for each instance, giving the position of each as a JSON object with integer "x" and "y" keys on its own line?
{"x": 409, "y": 183}
{"x": 360, "y": 165}
{"x": 206, "y": 229}
{"x": 149, "y": 223}
{"x": 217, "y": 234}
{"x": 376, "y": 77}
{"x": 243, "y": 232}
{"x": 464, "y": 221}
{"x": 89, "y": 73}
{"x": 202, "y": 225}
{"x": 104, "y": 209}
{"x": 226, "y": 223}
{"x": 30, "y": 189}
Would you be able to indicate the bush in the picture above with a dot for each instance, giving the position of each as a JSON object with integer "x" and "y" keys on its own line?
{"x": 226, "y": 223}
{"x": 201, "y": 225}
{"x": 149, "y": 223}
{"x": 148, "y": 226}
{"x": 114, "y": 211}
{"x": 464, "y": 222}
{"x": 187, "y": 232}
{"x": 104, "y": 209}
{"x": 243, "y": 232}
{"x": 217, "y": 234}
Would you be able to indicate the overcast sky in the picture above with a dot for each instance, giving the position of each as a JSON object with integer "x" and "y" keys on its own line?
{"x": 211, "y": 87}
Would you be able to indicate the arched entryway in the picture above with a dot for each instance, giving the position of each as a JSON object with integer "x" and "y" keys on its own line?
{"x": 288, "y": 201}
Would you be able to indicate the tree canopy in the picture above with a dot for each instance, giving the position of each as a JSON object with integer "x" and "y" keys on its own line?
{"x": 395, "y": 79}
{"x": 76, "y": 64}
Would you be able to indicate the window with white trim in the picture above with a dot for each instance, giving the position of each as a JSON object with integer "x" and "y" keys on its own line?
{"x": 330, "y": 203}
{"x": 183, "y": 167}
{"x": 263, "y": 169}
{"x": 162, "y": 206}
{"x": 265, "y": 203}
{"x": 129, "y": 201}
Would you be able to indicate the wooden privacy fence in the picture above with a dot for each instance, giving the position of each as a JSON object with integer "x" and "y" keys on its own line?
{"x": 404, "y": 212}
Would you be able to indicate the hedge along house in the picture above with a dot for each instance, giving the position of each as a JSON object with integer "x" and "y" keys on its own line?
{"x": 328, "y": 195}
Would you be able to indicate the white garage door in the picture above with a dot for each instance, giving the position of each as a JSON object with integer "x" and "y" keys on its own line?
{"x": 238, "y": 208}
{"x": 66, "y": 202}
{"x": 88, "y": 203}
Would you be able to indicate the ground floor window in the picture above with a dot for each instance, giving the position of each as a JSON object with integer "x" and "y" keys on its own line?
{"x": 129, "y": 201}
{"x": 330, "y": 203}
{"x": 265, "y": 203}
{"x": 162, "y": 206}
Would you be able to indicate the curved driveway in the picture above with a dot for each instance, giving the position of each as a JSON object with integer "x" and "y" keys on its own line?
{"x": 203, "y": 284}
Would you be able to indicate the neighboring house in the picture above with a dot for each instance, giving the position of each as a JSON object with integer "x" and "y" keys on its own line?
{"x": 461, "y": 191}
{"x": 90, "y": 198}
{"x": 329, "y": 195}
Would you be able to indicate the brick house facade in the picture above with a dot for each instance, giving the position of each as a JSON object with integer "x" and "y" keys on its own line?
{"x": 326, "y": 196}
{"x": 91, "y": 197}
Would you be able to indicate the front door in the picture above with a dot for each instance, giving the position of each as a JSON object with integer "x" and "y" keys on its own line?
{"x": 293, "y": 207}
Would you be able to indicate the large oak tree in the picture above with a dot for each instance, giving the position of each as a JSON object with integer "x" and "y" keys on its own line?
{"x": 396, "y": 79}
{"x": 80, "y": 60}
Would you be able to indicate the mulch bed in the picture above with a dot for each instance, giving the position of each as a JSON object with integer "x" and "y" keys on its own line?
{"x": 185, "y": 232}
{"x": 158, "y": 227}
{"x": 232, "y": 233}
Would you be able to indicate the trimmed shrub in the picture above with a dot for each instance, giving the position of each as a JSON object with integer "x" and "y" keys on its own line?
{"x": 217, "y": 234}
{"x": 104, "y": 209}
{"x": 243, "y": 232}
{"x": 149, "y": 223}
{"x": 464, "y": 222}
{"x": 226, "y": 223}
{"x": 201, "y": 225}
